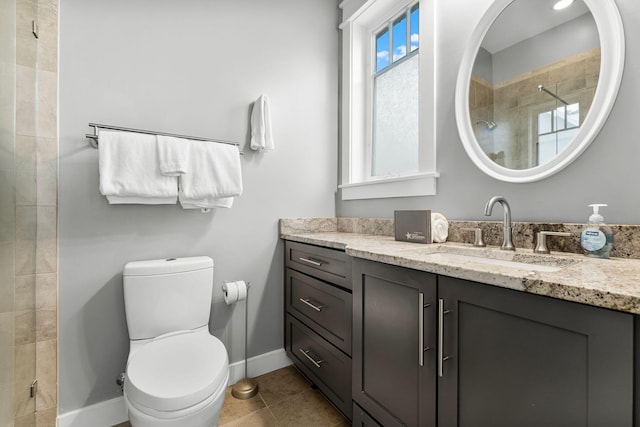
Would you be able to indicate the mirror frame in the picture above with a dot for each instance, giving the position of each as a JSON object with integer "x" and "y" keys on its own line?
{"x": 612, "y": 48}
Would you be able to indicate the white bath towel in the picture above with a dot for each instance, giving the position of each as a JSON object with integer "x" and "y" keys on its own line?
{"x": 261, "y": 134}
{"x": 439, "y": 227}
{"x": 173, "y": 155}
{"x": 213, "y": 175}
{"x": 129, "y": 171}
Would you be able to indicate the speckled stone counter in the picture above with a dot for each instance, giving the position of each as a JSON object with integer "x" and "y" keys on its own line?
{"x": 612, "y": 283}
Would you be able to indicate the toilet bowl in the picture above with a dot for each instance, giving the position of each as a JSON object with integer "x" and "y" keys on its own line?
{"x": 175, "y": 376}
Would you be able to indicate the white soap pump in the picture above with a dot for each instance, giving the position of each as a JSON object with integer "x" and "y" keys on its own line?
{"x": 597, "y": 237}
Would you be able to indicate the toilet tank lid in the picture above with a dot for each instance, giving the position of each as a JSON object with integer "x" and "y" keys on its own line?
{"x": 167, "y": 266}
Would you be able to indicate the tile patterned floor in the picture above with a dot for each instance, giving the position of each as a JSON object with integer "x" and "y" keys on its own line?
{"x": 285, "y": 399}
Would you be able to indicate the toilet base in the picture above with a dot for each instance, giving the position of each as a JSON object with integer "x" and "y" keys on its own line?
{"x": 204, "y": 414}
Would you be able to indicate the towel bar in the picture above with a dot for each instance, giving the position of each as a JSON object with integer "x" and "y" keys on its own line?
{"x": 95, "y": 136}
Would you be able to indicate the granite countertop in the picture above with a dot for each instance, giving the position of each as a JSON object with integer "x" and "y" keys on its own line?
{"x": 610, "y": 283}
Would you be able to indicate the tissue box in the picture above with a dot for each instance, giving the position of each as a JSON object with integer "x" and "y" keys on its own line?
{"x": 413, "y": 226}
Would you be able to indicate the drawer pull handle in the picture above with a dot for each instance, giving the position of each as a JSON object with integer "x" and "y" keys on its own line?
{"x": 311, "y": 261}
{"x": 306, "y": 354}
{"x": 310, "y": 304}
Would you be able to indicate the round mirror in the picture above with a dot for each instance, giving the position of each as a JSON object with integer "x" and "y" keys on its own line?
{"x": 537, "y": 83}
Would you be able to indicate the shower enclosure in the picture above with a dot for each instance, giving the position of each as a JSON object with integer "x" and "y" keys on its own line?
{"x": 28, "y": 181}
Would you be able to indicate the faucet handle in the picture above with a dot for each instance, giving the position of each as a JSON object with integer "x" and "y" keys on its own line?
{"x": 479, "y": 242}
{"x": 541, "y": 244}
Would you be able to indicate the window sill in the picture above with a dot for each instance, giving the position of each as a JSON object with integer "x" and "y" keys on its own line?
{"x": 423, "y": 184}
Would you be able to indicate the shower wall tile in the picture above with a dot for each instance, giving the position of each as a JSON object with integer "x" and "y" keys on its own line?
{"x": 26, "y": 421}
{"x": 25, "y": 163}
{"x": 26, "y": 43}
{"x": 7, "y": 204}
{"x": 47, "y": 247}
{"x": 47, "y": 124}
{"x": 6, "y": 351}
{"x": 46, "y": 324}
{"x": 25, "y": 327}
{"x": 46, "y": 290}
{"x": 6, "y": 403}
{"x": 48, "y": 40}
{"x": 25, "y": 256}
{"x": 46, "y": 418}
{"x": 47, "y": 172}
{"x": 46, "y": 372}
{"x": 25, "y": 100}
{"x": 25, "y": 292}
{"x": 7, "y": 278}
{"x": 26, "y": 221}
{"x": 25, "y": 372}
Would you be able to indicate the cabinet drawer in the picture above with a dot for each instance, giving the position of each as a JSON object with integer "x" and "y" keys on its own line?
{"x": 327, "y": 367}
{"x": 327, "y": 264}
{"x": 323, "y": 307}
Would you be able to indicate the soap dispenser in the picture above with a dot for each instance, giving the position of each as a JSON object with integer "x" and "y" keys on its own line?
{"x": 597, "y": 237}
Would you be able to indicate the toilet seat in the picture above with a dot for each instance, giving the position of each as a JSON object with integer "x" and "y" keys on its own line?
{"x": 176, "y": 371}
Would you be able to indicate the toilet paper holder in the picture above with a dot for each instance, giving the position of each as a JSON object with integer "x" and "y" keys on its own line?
{"x": 247, "y": 387}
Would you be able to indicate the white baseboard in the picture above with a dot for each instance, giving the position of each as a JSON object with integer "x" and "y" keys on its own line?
{"x": 102, "y": 414}
{"x": 112, "y": 412}
{"x": 258, "y": 365}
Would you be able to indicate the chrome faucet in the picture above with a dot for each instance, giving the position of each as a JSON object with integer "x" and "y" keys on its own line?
{"x": 507, "y": 244}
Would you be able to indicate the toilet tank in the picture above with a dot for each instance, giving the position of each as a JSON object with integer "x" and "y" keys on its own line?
{"x": 167, "y": 295}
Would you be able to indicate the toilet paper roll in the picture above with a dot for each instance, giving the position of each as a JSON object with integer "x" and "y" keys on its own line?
{"x": 234, "y": 291}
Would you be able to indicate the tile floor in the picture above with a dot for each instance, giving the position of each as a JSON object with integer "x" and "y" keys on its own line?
{"x": 285, "y": 399}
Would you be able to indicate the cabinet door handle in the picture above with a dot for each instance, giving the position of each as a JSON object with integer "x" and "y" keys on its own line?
{"x": 310, "y": 304}
{"x": 311, "y": 261}
{"x": 421, "y": 328}
{"x": 441, "y": 357}
{"x": 306, "y": 354}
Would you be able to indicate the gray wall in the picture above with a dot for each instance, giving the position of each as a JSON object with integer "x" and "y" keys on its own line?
{"x": 578, "y": 35}
{"x": 191, "y": 67}
{"x": 606, "y": 172}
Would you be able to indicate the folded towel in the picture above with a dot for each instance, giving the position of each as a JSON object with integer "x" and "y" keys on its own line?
{"x": 129, "y": 172}
{"x": 173, "y": 155}
{"x": 261, "y": 135}
{"x": 439, "y": 227}
{"x": 213, "y": 175}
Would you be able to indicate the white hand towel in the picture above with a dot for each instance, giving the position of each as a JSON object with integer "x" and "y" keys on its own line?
{"x": 439, "y": 227}
{"x": 213, "y": 175}
{"x": 261, "y": 135}
{"x": 173, "y": 155}
{"x": 129, "y": 172}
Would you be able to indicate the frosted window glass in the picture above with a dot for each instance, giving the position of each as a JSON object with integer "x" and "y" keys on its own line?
{"x": 395, "y": 139}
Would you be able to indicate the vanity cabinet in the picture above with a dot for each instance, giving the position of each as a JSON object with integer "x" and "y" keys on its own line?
{"x": 318, "y": 331}
{"x": 491, "y": 356}
{"x": 517, "y": 359}
{"x": 394, "y": 344}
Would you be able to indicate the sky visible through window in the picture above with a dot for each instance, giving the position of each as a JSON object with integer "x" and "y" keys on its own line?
{"x": 391, "y": 43}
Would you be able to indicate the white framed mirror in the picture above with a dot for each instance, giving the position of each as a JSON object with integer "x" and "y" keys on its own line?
{"x": 536, "y": 85}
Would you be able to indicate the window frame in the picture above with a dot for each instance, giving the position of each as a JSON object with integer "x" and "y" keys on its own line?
{"x": 363, "y": 20}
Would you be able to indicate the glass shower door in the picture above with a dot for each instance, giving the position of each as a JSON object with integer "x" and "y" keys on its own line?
{"x": 18, "y": 91}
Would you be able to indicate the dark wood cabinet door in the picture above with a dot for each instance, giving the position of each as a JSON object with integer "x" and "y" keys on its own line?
{"x": 394, "y": 343}
{"x": 517, "y": 359}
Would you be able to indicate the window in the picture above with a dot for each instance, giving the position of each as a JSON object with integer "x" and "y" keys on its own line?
{"x": 394, "y": 147}
{"x": 388, "y": 132}
{"x": 556, "y": 129}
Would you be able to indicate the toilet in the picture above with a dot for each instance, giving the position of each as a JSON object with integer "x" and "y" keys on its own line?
{"x": 177, "y": 372}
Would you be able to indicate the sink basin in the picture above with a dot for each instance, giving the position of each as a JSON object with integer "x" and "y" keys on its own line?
{"x": 468, "y": 256}
{"x": 448, "y": 257}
